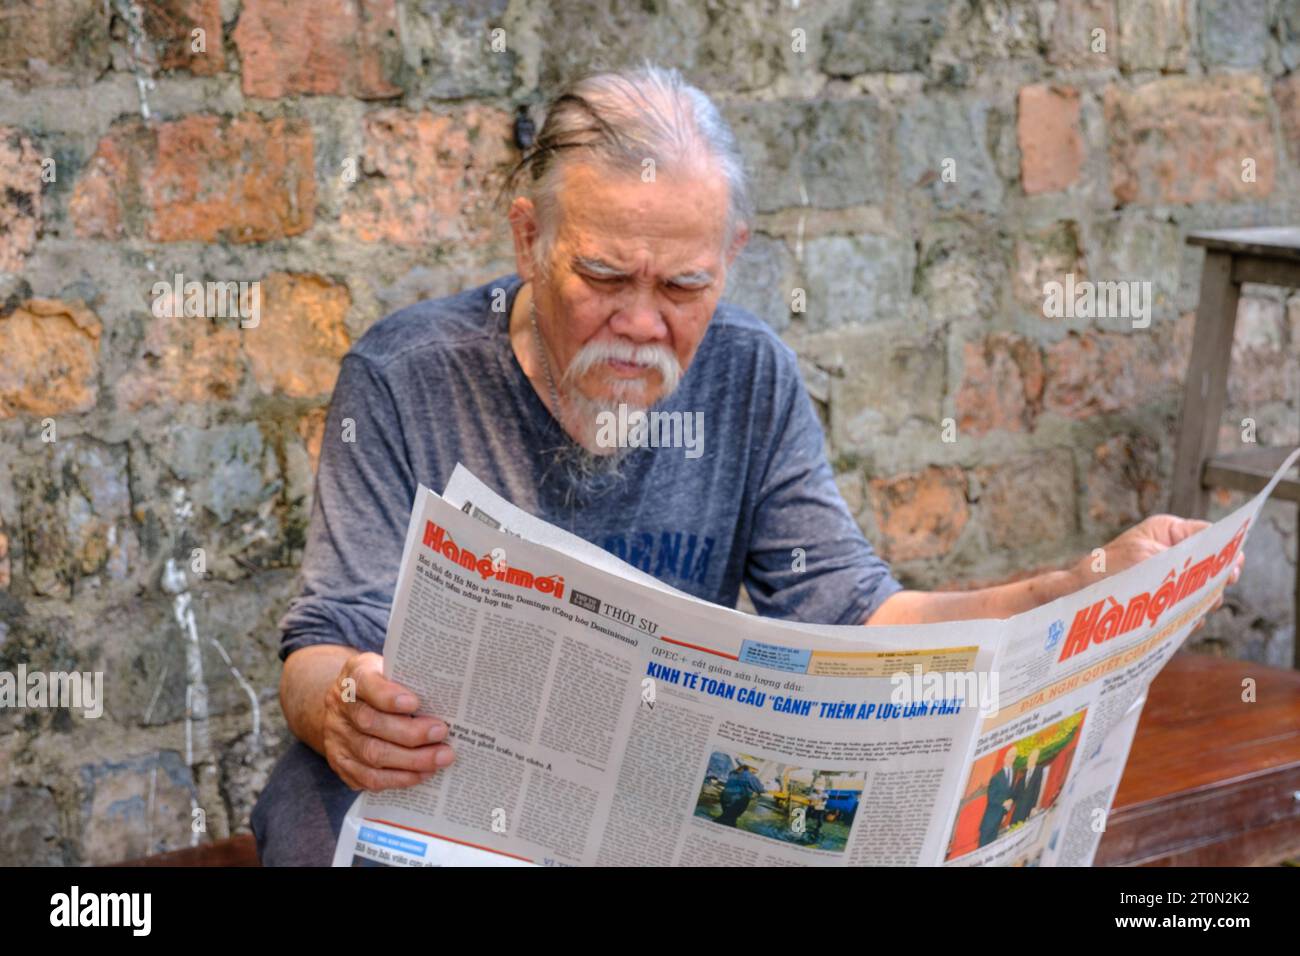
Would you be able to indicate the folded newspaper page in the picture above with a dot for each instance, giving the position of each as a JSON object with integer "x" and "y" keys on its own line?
{"x": 603, "y": 718}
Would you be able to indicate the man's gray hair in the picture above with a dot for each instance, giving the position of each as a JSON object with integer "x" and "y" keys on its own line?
{"x": 619, "y": 120}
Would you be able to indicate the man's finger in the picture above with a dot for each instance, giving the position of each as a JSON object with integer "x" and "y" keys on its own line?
{"x": 372, "y": 778}
{"x": 1180, "y": 529}
{"x": 383, "y": 694}
{"x": 380, "y": 754}
{"x": 397, "y": 728}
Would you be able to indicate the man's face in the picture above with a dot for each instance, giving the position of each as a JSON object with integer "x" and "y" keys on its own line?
{"x": 637, "y": 266}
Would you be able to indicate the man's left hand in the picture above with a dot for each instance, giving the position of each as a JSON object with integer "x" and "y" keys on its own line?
{"x": 1145, "y": 539}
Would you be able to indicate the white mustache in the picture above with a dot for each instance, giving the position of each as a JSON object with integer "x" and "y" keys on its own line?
{"x": 655, "y": 356}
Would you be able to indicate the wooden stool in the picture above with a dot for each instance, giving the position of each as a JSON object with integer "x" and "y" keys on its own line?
{"x": 1232, "y": 256}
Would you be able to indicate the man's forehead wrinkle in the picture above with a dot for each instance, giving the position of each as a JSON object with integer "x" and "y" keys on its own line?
{"x": 620, "y": 234}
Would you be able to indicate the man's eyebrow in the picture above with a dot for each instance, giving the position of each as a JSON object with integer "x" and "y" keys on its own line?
{"x": 698, "y": 277}
{"x": 600, "y": 267}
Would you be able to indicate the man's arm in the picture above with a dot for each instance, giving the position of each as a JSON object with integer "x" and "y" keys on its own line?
{"x": 1144, "y": 540}
{"x": 807, "y": 558}
{"x": 332, "y": 690}
{"x": 1003, "y": 600}
{"x": 308, "y": 674}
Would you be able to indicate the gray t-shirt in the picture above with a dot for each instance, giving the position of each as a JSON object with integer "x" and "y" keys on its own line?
{"x": 438, "y": 383}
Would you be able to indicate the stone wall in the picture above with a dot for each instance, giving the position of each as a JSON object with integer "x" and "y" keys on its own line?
{"x": 922, "y": 169}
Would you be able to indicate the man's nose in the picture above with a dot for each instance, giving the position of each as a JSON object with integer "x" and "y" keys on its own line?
{"x": 639, "y": 318}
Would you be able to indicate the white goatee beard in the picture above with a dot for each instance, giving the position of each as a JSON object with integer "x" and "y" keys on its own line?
{"x": 585, "y": 458}
{"x": 582, "y": 460}
{"x": 585, "y": 412}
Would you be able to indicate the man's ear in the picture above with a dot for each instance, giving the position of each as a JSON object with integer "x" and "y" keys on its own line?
{"x": 523, "y": 229}
{"x": 737, "y": 243}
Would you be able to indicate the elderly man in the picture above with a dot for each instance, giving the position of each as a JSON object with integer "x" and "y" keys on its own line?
{"x": 627, "y": 215}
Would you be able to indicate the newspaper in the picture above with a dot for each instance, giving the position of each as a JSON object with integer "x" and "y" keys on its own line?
{"x": 603, "y": 718}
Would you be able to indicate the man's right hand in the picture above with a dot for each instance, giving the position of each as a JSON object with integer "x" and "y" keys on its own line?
{"x": 371, "y": 737}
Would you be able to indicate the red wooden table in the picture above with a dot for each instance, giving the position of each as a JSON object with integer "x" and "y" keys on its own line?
{"x": 1211, "y": 780}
